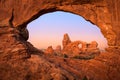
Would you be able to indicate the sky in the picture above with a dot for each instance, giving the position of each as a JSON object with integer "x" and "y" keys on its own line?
{"x": 48, "y": 30}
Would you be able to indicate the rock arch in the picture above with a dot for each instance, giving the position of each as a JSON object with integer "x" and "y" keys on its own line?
{"x": 100, "y": 12}
{"x": 16, "y": 14}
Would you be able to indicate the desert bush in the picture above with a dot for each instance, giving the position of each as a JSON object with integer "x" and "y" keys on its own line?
{"x": 65, "y": 56}
{"x": 85, "y": 78}
{"x": 84, "y": 57}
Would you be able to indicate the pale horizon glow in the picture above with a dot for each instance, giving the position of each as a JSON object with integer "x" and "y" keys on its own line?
{"x": 48, "y": 30}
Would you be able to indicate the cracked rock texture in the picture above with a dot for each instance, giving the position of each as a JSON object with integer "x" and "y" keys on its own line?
{"x": 19, "y": 60}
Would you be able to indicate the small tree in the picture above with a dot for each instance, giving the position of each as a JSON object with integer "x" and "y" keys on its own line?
{"x": 65, "y": 56}
{"x": 85, "y": 78}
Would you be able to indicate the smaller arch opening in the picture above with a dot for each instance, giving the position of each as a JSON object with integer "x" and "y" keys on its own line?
{"x": 80, "y": 46}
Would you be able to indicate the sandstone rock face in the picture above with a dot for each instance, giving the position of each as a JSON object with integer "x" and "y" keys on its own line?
{"x": 92, "y": 69}
{"x": 34, "y": 68}
{"x": 15, "y": 51}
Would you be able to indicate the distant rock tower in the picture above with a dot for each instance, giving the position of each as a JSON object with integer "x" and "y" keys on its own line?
{"x": 66, "y": 40}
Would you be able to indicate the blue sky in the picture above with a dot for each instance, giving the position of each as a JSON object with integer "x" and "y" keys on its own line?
{"x": 49, "y": 29}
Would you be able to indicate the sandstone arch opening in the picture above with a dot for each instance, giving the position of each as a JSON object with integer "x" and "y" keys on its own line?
{"x": 49, "y": 29}
{"x": 80, "y": 45}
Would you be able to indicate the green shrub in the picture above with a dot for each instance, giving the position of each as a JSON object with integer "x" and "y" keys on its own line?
{"x": 84, "y": 57}
{"x": 65, "y": 56}
{"x": 77, "y": 57}
{"x": 85, "y": 78}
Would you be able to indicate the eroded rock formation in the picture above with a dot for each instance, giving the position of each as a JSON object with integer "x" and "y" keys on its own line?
{"x": 15, "y": 51}
{"x": 73, "y": 49}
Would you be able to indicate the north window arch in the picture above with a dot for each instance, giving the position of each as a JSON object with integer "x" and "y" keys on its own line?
{"x": 98, "y": 14}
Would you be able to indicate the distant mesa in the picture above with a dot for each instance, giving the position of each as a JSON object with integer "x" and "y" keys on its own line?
{"x": 74, "y": 48}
